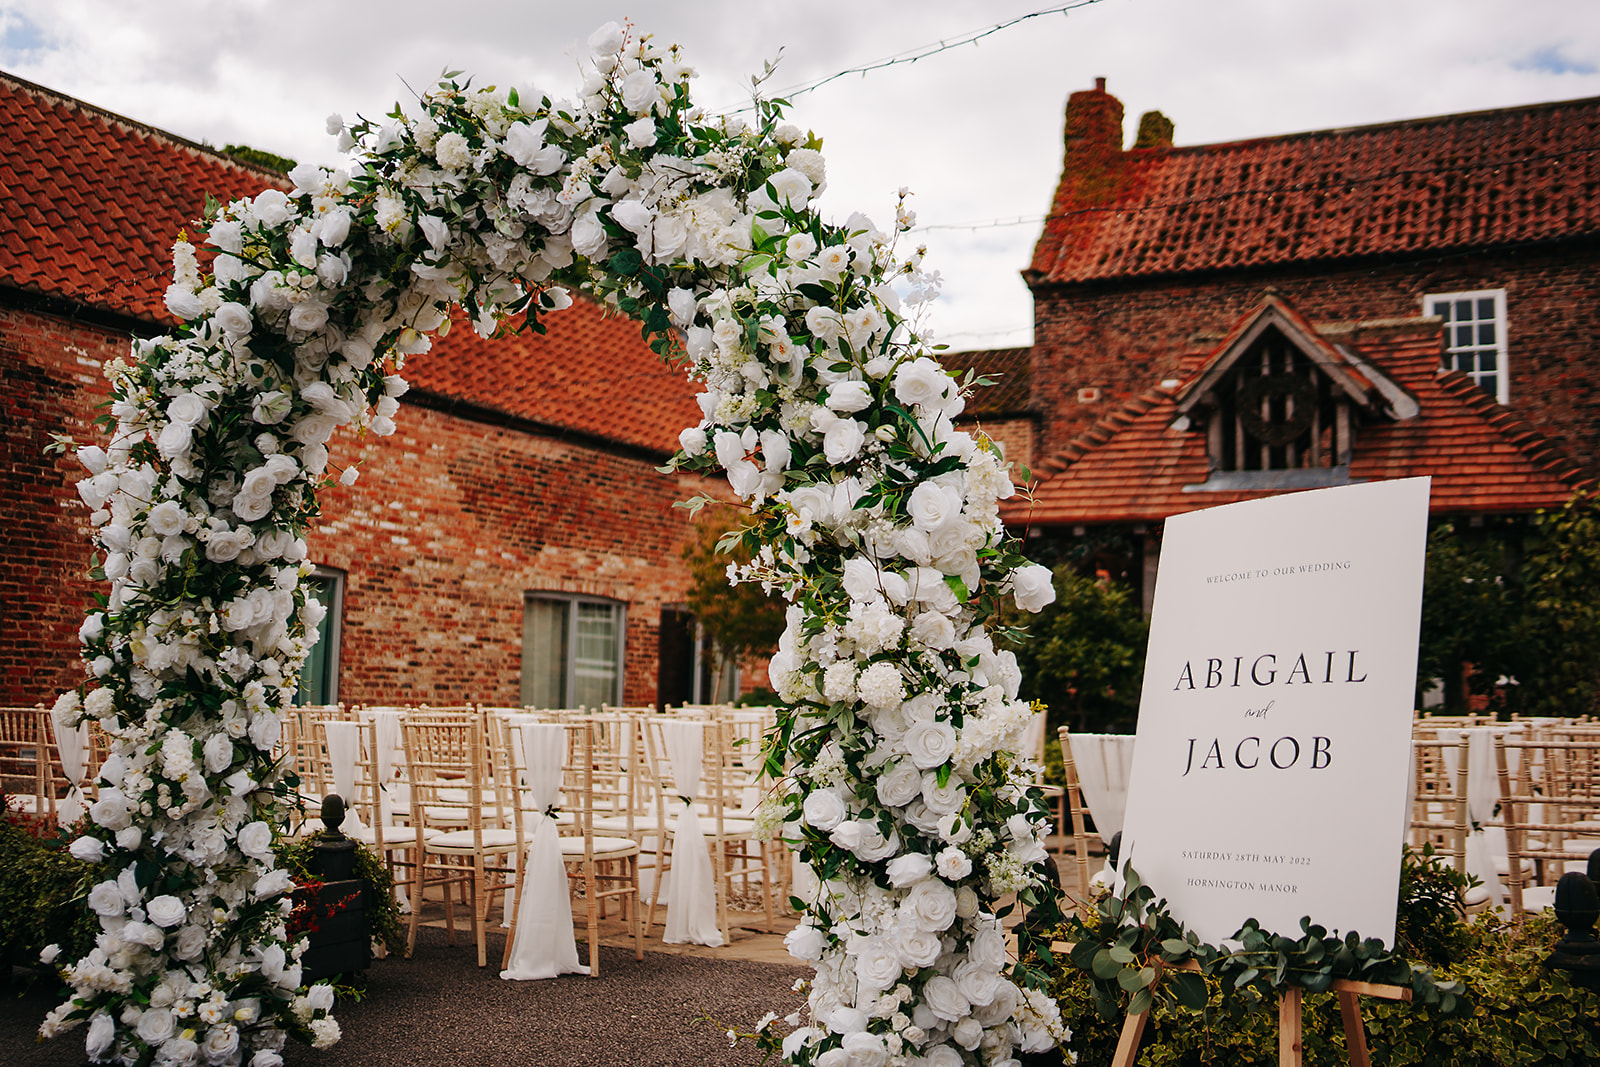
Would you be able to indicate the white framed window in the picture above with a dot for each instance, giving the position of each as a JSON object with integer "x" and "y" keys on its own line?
{"x": 572, "y": 650}
{"x": 1475, "y": 336}
{"x": 319, "y": 676}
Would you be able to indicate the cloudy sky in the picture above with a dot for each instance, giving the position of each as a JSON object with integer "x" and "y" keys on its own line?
{"x": 974, "y": 129}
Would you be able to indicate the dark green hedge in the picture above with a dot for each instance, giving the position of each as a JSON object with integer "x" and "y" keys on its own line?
{"x": 43, "y": 898}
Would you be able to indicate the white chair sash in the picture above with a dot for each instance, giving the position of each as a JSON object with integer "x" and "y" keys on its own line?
{"x": 545, "y": 946}
{"x": 344, "y": 752}
{"x": 691, "y": 891}
{"x": 1104, "y": 762}
{"x": 72, "y": 742}
{"x": 386, "y": 723}
{"x": 1486, "y": 845}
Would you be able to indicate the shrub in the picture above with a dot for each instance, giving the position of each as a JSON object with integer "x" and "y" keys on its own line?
{"x": 43, "y": 894}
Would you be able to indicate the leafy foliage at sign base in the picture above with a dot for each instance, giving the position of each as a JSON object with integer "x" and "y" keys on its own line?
{"x": 1487, "y": 999}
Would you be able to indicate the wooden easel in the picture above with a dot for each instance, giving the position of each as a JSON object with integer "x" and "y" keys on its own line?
{"x": 1290, "y": 1017}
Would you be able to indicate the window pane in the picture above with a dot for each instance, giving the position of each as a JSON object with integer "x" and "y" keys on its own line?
{"x": 1463, "y": 336}
{"x": 1441, "y": 308}
{"x": 544, "y": 653}
{"x": 316, "y": 676}
{"x": 1486, "y": 308}
{"x": 1486, "y": 333}
{"x": 1463, "y": 309}
{"x": 1486, "y": 360}
{"x": 594, "y": 662}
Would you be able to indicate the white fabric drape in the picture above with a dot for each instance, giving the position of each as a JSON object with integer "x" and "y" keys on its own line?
{"x": 394, "y": 795}
{"x": 691, "y": 891}
{"x": 344, "y": 752}
{"x": 1486, "y": 848}
{"x": 72, "y": 742}
{"x": 1104, "y": 762}
{"x": 545, "y": 945}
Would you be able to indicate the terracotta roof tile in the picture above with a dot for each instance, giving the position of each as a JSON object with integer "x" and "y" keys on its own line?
{"x": 1512, "y": 175}
{"x": 591, "y": 373}
{"x": 1133, "y": 467}
{"x": 1009, "y": 367}
{"x": 89, "y": 206}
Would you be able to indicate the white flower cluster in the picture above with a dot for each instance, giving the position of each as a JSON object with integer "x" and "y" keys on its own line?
{"x": 820, "y": 403}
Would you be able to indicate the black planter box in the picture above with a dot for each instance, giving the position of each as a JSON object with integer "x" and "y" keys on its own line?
{"x": 340, "y": 943}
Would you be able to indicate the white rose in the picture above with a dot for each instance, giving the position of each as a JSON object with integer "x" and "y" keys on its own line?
{"x": 933, "y": 507}
{"x": 156, "y": 1025}
{"x": 954, "y": 864}
{"x": 640, "y": 91}
{"x": 589, "y": 236}
{"x": 877, "y": 963}
{"x": 106, "y": 899}
{"x": 333, "y": 227}
{"x": 933, "y": 629}
{"x": 967, "y": 1033}
{"x": 186, "y": 407}
{"x": 136, "y": 933}
{"x": 191, "y": 941}
{"x": 900, "y": 786}
{"x": 642, "y": 133}
{"x": 848, "y": 397}
{"x": 908, "y": 869}
{"x": 234, "y": 318}
{"x": 87, "y": 849}
{"x": 865, "y": 1049}
{"x": 930, "y": 743}
{"x": 174, "y": 439}
{"x": 848, "y": 834}
{"x": 166, "y": 910}
{"x": 943, "y": 997}
{"x": 692, "y": 440}
{"x": 221, "y": 1044}
{"x": 931, "y": 905}
{"x": 320, "y": 997}
{"x": 977, "y": 982}
{"x": 182, "y": 303}
{"x": 1034, "y": 586}
{"x": 255, "y": 840}
{"x": 607, "y": 40}
{"x": 101, "y": 1032}
{"x": 923, "y": 382}
{"x": 823, "y": 809}
{"x": 271, "y": 208}
{"x": 165, "y": 519}
{"x": 918, "y": 947}
{"x": 942, "y": 799}
{"x": 805, "y": 942}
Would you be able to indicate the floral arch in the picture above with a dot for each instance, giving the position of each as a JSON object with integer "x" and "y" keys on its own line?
{"x": 874, "y": 517}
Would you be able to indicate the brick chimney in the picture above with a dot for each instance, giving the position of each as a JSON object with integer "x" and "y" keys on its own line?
{"x": 1093, "y": 137}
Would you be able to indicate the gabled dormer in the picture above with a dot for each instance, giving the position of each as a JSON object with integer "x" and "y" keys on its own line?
{"x": 1280, "y": 405}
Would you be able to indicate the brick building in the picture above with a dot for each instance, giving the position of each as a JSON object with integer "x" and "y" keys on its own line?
{"x": 1223, "y": 321}
{"x": 513, "y": 541}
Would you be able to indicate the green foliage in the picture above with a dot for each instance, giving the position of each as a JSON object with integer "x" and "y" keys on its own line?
{"x": 295, "y": 856}
{"x": 1492, "y": 1005}
{"x": 1085, "y": 655}
{"x": 43, "y": 896}
{"x": 742, "y": 619}
{"x": 1519, "y": 601}
{"x": 260, "y": 158}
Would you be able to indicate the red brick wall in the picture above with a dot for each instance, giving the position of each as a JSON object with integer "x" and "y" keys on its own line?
{"x": 451, "y": 522}
{"x": 50, "y": 381}
{"x": 1126, "y": 338}
{"x": 449, "y": 525}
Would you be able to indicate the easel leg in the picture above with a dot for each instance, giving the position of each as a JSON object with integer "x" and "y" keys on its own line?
{"x": 1355, "y": 1031}
{"x": 1128, "y": 1043}
{"x": 1290, "y": 1018}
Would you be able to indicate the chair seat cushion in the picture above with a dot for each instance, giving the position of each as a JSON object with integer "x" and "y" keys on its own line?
{"x": 500, "y": 840}
{"x": 604, "y": 847}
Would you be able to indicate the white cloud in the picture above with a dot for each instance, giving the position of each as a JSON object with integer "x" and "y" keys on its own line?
{"x": 975, "y": 132}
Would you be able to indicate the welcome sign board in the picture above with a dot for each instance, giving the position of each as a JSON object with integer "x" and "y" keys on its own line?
{"x": 1271, "y": 767}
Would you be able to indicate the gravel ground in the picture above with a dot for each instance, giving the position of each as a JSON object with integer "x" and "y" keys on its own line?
{"x": 438, "y": 1009}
